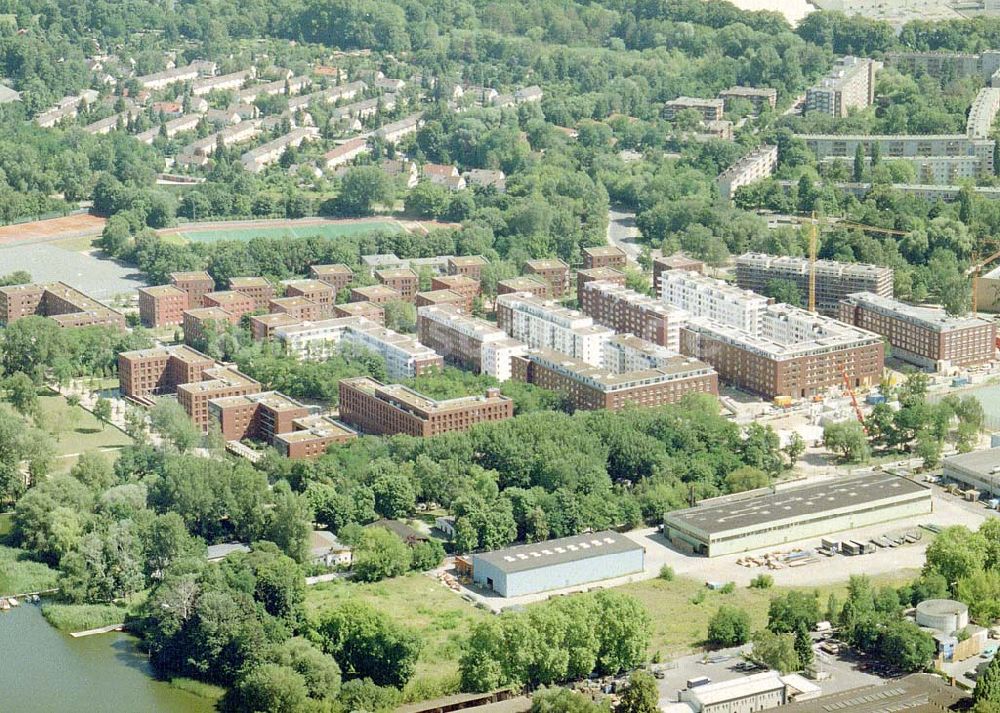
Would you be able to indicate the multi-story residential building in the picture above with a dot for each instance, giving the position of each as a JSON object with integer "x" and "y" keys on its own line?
{"x": 486, "y": 178}
{"x": 154, "y": 372}
{"x": 403, "y": 280}
{"x": 532, "y": 285}
{"x": 257, "y": 289}
{"x": 759, "y": 163}
{"x": 262, "y": 326}
{"x": 368, "y": 310}
{"x": 710, "y": 109}
{"x": 396, "y": 130}
{"x": 468, "y": 265}
{"x": 346, "y": 152}
{"x": 336, "y": 276}
{"x": 440, "y": 297}
{"x": 603, "y": 274}
{"x": 199, "y": 323}
{"x": 382, "y": 261}
{"x": 603, "y": 256}
{"x": 162, "y": 305}
{"x": 792, "y": 353}
{"x": 258, "y": 417}
{"x": 677, "y": 261}
{"x": 626, "y": 352}
{"x": 376, "y": 294}
{"x": 926, "y": 336}
{"x": 936, "y": 158}
{"x": 759, "y": 97}
{"x": 590, "y": 387}
{"x": 849, "y": 85}
{"x": 834, "y": 280}
{"x": 544, "y": 324}
{"x": 216, "y": 383}
{"x": 470, "y": 342}
{"x": 161, "y": 80}
{"x": 256, "y": 160}
{"x": 195, "y": 284}
{"x": 221, "y": 83}
{"x": 552, "y": 270}
{"x": 298, "y": 308}
{"x": 468, "y": 287}
{"x": 64, "y": 305}
{"x": 311, "y": 437}
{"x": 404, "y": 356}
{"x": 702, "y": 296}
{"x": 627, "y": 311}
{"x": 983, "y": 113}
{"x": 290, "y": 86}
{"x": 946, "y": 65}
{"x": 235, "y": 303}
{"x": 316, "y": 291}
{"x": 389, "y": 409}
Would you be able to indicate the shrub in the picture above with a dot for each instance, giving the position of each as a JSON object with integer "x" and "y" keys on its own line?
{"x": 667, "y": 573}
{"x": 762, "y": 581}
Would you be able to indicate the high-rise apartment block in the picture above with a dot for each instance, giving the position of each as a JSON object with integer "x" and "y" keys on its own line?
{"x": 552, "y": 270}
{"x": 195, "y": 284}
{"x": 544, "y": 324}
{"x": 161, "y": 306}
{"x": 258, "y": 288}
{"x": 849, "y": 85}
{"x": 470, "y": 342}
{"x": 627, "y": 311}
{"x": 337, "y": 276}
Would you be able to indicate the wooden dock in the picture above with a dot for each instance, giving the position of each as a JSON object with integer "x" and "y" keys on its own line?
{"x": 100, "y": 630}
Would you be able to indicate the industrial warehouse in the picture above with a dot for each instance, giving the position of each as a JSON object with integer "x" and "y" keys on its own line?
{"x": 554, "y": 564}
{"x": 735, "y": 524}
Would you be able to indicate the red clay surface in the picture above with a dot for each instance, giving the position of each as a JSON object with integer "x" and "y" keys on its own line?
{"x": 70, "y": 226}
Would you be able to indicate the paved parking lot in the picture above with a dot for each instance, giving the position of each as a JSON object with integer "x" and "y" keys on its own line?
{"x": 99, "y": 278}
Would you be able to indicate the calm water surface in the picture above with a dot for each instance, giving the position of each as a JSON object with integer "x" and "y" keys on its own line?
{"x": 45, "y": 671}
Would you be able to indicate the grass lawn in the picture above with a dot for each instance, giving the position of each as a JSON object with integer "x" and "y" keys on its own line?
{"x": 680, "y": 625}
{"x": 6, "y": 524}
{"x": 19, "y": 575}
{"x": 75, "y": 430}
{"x": 198, "y": 688}
{"x": 332, "y": 230}
{"x": 441, "y": 616}
{"x": 81, "y": 617}
{"x": 78, "y": 244}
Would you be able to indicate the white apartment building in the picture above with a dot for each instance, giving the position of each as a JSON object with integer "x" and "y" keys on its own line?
{"x": 471, "y": 342}
{"x": 627, "y": 352}
{"x": 703, "y": 296}
{"x": 399, "y": 129}
{"x": 849, "y": 85}
{"x": 404, "y": 356}
{"x": 543, "y": 324}
{"x": 759, "y": 163}
{"x": 982, "y": 113}
{"x": 257, "y": 159}
{"x": 159, "y": 80}
{"x": 497, "y": 355}
{"x": 223, "y": 82}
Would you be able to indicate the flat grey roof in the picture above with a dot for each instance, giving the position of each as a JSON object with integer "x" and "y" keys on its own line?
{"x": 522, "y": 558}
{"x": 917, "y": 693}
{"x": 735, "y": 513}
{"x": 981, "y": 462}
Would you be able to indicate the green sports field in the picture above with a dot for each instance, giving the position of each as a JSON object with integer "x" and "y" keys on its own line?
{"x": 330, "y": 230}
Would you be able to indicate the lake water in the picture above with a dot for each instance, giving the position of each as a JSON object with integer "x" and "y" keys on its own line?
{"x": 793, "y": 10}
{"x": 45, "y": 671}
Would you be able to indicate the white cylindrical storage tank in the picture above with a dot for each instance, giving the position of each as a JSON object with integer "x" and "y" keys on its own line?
{"x": 945, "y": 615}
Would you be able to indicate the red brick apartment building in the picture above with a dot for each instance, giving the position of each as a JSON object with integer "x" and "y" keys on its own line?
{"x": 199, "y": 322}
{"x": 552, "y": 270}
{"x": 235, "y": 303}
{"x": 65, "y": 305}
{"x": 468, "y": 265}
{"x": 590, "y": 387}
{"x": 195, "y": 284}
{"x": 437, "y": 297}
{"x": 337, "y": 276}
{"x": 256, "y": 416}
{"x": 402, "y": 279}
{"x": 315, "y": 291}
{"x": 677, "y": 261}
{"x": 298, "y": 308}
{"x": 311, "y": 436}
{"x": 603, "y": 256}
{"x": 925, "y": 336}
{"x": 162, "y": 306}
{"x": 258, "y": 288}
{"x": 263, "y": 325}
{"x": 368, "y": 310}
{"x": 376, "y": 294}
{"x": 388, "y": 409}
{"x": 605, "y": 274}
{"x": 216, "y": 383}
{"x": 466, "y": 286}
{"x": 532, "y": 285}
{"x": 153, "y": 372}
{"x": 627, "y": 311}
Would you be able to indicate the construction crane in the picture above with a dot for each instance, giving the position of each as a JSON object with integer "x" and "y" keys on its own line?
{"x": 814, "y": 224}
{"x": 854, "y": 400}
{"x": 974, "y": 271}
